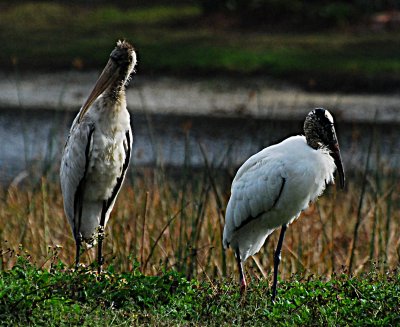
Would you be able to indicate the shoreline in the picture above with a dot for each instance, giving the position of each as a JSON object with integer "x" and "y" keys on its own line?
{"x": 257, "y": 97}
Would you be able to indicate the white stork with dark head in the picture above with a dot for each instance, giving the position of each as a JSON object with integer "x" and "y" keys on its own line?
{"x": 275, "y": 185}
{"x": 97, "y": 152}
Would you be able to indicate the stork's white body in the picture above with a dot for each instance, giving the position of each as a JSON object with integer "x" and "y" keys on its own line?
{"x": 271, "y": 189}
{"x": 94, "y": 162}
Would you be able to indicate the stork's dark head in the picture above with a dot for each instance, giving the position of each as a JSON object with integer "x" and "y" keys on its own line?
{"x": 115, "y": 74}
{"x": 320, "y": 132}
{"x": 123, "y": 59}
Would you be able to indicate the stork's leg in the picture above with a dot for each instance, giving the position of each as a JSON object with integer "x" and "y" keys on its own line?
{"x": 277, "y": 260}
{"x": 78, "y": 251}
{"x": 99, "y": 251}
{"x": 100, "y": 258}
{"x": 77, "y": 225}
{"x": 243, "y": 283}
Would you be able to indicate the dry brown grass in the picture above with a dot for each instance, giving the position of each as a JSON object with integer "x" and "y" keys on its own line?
{"x": 176, "y": 222}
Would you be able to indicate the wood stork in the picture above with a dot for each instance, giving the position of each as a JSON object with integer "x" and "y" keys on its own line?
{"x": 97, "y": 152}
{"x": 275, "y": 185}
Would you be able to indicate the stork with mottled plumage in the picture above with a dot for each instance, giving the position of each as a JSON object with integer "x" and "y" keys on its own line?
{"x": 97, "y": 152}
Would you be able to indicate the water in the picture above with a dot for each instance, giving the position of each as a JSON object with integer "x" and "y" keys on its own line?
{"x": 32, "y": 141}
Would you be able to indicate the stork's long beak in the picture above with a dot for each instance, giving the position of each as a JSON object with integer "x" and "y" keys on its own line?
{"x": 335, "y": 153}
{"x": 108, "y": 76}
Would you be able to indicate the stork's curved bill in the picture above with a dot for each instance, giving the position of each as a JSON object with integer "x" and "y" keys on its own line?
{"x": 335, "y": 153}
{"x": 109, "y": 76}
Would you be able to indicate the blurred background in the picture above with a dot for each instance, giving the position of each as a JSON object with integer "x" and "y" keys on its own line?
{"x": 320, "y": 45}
{"x": 216, "y": 82}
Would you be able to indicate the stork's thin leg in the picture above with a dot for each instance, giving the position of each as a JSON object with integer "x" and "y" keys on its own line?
{"x": 277, "y": 260}
{"x": 100, "y": 258}
{"x": 77, "y": 224}
{"x": 78, "y": 251}
{"x": 243, "y": 284}
{"x": 99, "y": 251}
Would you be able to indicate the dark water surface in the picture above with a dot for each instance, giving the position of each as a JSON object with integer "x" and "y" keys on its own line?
{"x": 32, "y": 141}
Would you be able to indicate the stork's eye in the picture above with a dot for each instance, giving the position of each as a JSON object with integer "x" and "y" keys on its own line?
{"x": 116, "y": 56}
{"x": 121, "y": 58}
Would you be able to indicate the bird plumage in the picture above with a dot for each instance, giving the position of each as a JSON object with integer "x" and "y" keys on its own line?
{"x": 94, "y": 172}
{"x": 275, "y": 185}
{"x": 97, "y": 152}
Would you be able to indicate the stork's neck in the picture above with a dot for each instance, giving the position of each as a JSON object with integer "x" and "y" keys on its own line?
{"x": 314, "y": 141}
{"x": 116, "y": 91}
{"x": 112, "y": 103}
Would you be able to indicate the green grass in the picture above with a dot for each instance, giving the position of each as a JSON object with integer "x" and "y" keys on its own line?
{"x": 177, "y": 40}
{"x": 60, "y": 296}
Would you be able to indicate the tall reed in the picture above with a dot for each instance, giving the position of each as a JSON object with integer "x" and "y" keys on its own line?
{"x": 176, "y": 224}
